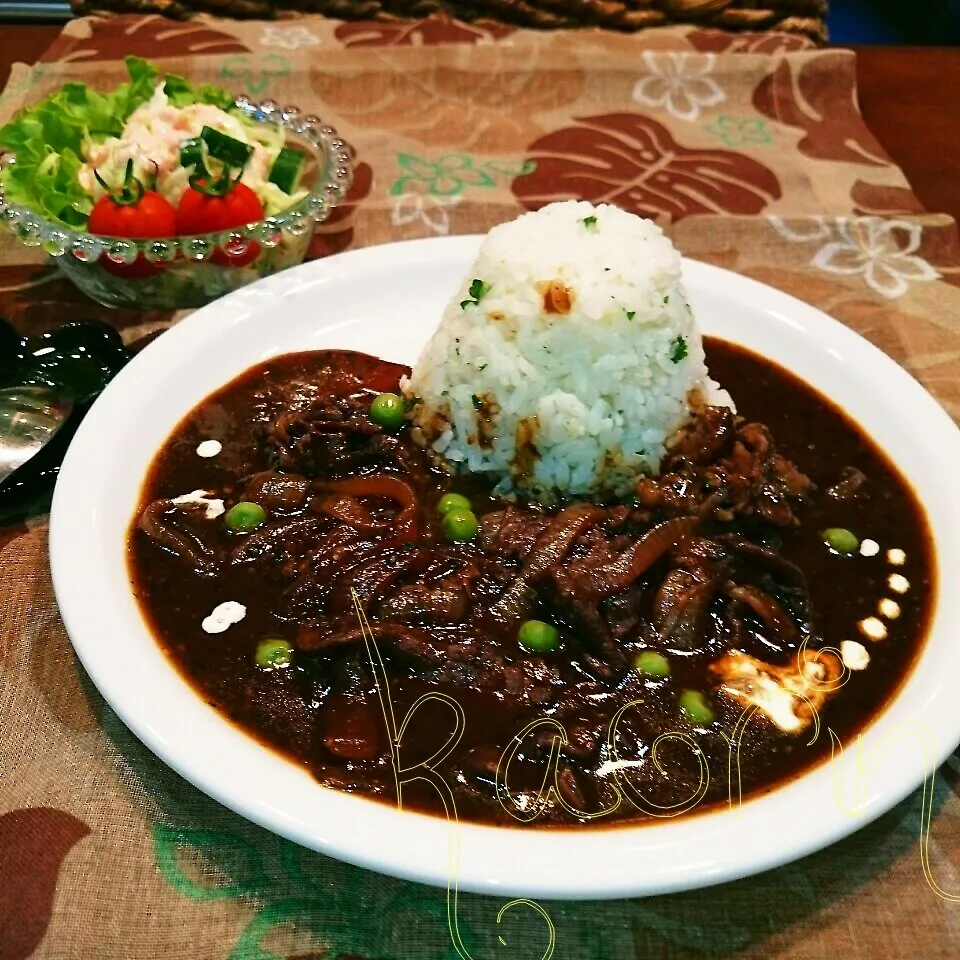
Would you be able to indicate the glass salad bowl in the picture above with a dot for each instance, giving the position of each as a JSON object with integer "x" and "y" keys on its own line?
{"x": 190, "y": 271}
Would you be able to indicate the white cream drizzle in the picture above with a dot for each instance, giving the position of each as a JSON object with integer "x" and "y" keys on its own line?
{"x": 873, "y": 628}
{"x": 209, "y": 448}
{"x": 783, "y": 694}
{"x": 854, "y": 655}
{"x": 869, "y": 548}
{"x": 898, "y": 583}
{"x": 224, "y": 616}
{"x": 199, "y": 498}
{"x": 889, "y": 608}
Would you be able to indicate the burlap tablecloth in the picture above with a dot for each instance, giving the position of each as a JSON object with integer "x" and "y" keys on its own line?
{"x": 752, "y": 153}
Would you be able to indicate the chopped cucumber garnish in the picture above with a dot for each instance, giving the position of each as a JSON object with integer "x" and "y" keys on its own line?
{"x": 191, "y": 153}
{"x": 228, "y": 150}
{"x": 285, "y": 172}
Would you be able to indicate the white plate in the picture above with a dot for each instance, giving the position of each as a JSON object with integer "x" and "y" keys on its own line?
{"x": 386, "y": 300}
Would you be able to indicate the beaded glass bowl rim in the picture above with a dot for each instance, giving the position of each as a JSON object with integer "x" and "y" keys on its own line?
{"x": 34, "y": 230}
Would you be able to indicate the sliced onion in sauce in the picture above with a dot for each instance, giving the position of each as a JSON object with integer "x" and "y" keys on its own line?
{"x": 634, "y": 562}
{"x": 342, "y": 503}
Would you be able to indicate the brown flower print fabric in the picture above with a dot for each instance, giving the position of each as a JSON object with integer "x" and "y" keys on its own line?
{"x": 445, "y": 100}
{"x": 33, "y": 843}
{"x": 750, "y": 151}
{"x": 439, "y": 28}
{"x": 883, "y": 201}
{"x": 150, "y": 36}
{"x": 802, "y": 93}
{"x": 631, "y": 161}
{"x": 722, "y": 41}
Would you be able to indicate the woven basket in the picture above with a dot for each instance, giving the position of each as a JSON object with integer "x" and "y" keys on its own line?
{"x": 793, "y": 16}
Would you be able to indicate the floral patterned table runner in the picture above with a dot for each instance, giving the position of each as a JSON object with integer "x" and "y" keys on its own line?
{"x": 751, "y": 152}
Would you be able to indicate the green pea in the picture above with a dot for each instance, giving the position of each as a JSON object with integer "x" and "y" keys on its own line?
{"x": 460, "y": 525}
{"x": 694, "y": 704}
{"x": 274, "y": 654}
{"x": 537, "y": 636}
{"x": 841, "y": 540}
{"x": 452, "y": 501}
{"x": 652, "y": 664}
{"x": 245, "y": 516}
{"x": 388, "y": 410}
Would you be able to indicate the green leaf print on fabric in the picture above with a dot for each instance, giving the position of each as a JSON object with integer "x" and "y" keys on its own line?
{"x": 255, "y": 74}
{"x": 237, "y": 861}
{"x": 740, "y": 131}
{"x": 340, "y": 908}
{"x": 511, "y": 168}
{"x": 295, "y": 912}
{"x": 294, "y": 902}
{"x": 30, "y": 78}
{"x": 452, "y": 173}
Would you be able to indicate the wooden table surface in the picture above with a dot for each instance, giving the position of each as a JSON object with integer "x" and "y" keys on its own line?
{"x": 908, "y": 96}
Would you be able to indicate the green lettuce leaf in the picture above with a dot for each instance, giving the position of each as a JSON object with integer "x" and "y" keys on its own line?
{"x": 182, "y": 93}
{"x": 48, "y": 137}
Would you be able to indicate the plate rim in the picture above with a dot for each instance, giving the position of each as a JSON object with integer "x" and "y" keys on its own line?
{"x": 237, "y": 308}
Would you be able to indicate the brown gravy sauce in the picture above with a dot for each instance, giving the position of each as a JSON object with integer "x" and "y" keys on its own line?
{"x": 290, "y": 710}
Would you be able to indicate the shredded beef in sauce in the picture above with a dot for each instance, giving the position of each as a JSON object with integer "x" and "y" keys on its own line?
{"x": 716, "y": 564}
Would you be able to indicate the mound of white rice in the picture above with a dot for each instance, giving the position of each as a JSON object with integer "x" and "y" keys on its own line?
{"x": 568, "y": 358}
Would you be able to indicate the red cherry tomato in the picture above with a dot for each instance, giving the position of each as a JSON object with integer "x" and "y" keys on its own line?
{"x": 211, "y": 206}
{"x": 135, "y": 212}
